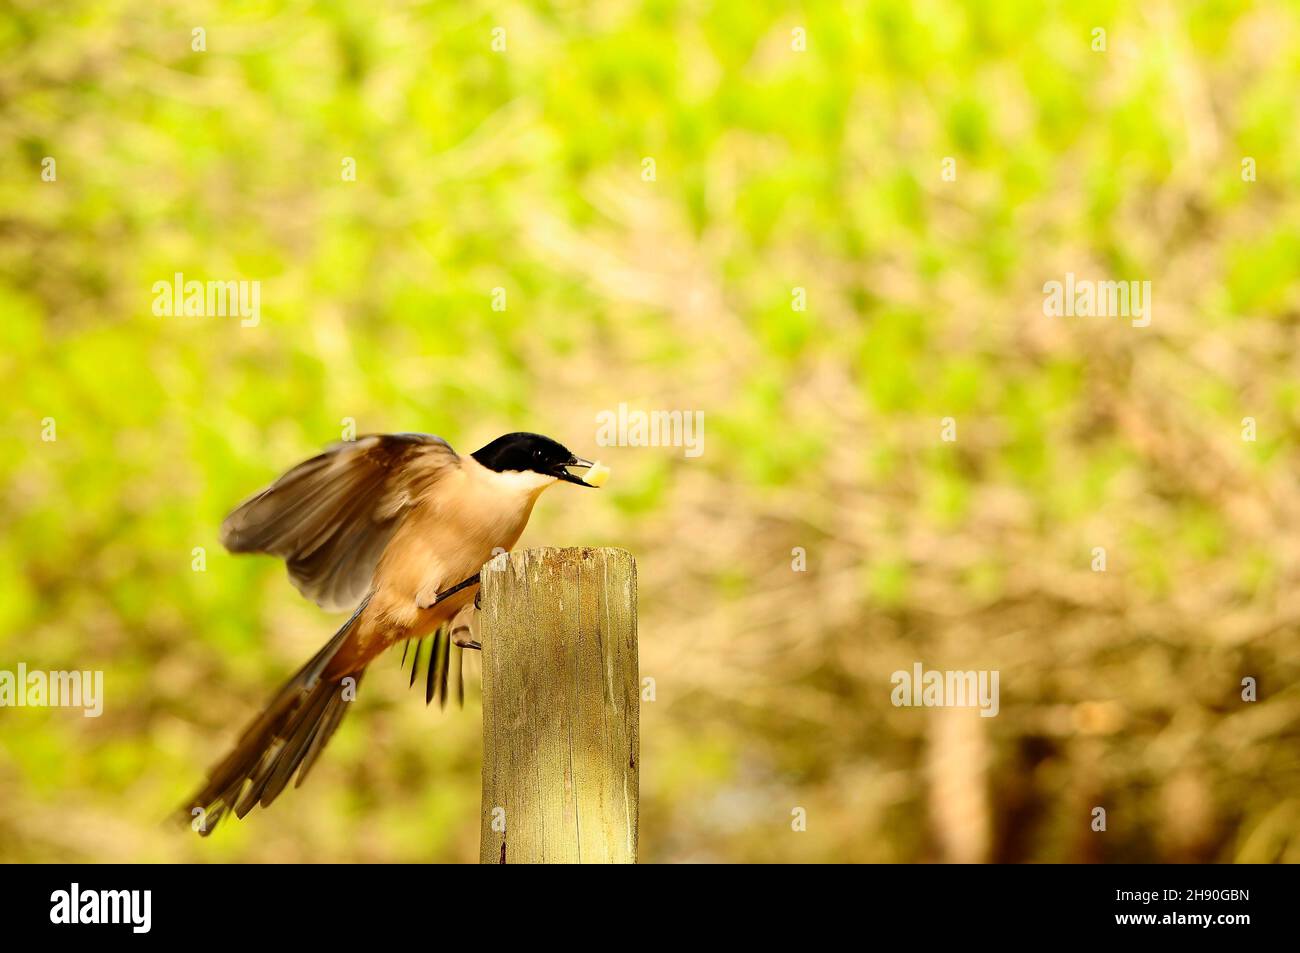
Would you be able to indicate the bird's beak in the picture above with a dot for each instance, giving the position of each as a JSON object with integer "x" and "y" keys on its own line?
{"x": 578, "y": 463}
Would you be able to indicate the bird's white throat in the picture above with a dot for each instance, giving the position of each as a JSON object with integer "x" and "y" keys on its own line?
{"x": 521, "y": 482}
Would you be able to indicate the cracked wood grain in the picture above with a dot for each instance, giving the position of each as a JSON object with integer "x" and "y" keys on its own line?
{"x": 561, "y": 707}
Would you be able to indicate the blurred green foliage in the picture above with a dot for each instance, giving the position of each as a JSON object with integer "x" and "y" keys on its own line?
{"x": 776, "y": 169}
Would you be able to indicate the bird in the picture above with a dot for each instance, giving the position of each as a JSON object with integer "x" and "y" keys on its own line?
{"x": 394, "y": 527}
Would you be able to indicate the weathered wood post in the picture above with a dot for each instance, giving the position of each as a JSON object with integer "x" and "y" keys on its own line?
{"x": 561, "y": 707}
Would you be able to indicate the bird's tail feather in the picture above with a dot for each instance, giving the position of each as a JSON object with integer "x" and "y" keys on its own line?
{"x": 441, "y": 659}
{"x": 445, "y": 658}
{"x": 288, "y": 735}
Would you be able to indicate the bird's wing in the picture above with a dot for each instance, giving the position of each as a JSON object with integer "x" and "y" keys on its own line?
{"x": 330, "y": 517}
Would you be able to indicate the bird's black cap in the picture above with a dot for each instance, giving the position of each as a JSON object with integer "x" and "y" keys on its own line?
{"x": 531, "y": 451}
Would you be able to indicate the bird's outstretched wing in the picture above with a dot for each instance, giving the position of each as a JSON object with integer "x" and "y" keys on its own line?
{"x": 330, "y": 517}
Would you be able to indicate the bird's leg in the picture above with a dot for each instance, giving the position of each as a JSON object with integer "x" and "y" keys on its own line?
{"x": 438, "y": 597}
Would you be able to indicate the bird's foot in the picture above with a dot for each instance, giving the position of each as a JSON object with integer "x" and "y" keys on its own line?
{"x": 461, "y": 637}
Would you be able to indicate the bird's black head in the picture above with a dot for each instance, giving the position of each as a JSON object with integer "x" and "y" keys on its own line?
{"x": 531, "y": 451}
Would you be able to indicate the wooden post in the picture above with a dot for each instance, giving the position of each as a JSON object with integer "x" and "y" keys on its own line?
{"x": 561, "y": 707}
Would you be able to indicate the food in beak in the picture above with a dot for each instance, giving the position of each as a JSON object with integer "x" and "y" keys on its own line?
{"x": 597, "y": 475}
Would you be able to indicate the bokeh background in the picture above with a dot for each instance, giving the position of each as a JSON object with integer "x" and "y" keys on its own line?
{"x": 775, "y": 169}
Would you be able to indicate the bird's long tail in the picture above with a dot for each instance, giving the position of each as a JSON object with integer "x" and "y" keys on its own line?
{"x": 288, "y": 736}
